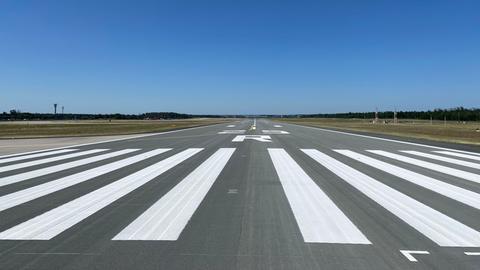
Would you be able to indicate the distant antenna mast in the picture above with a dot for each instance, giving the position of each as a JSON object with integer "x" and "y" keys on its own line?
{"x": 55, "y": 108}
{"x": 63, "y": 108}
{"x": 376, "y": 115}
{"x": 395, "y": 120}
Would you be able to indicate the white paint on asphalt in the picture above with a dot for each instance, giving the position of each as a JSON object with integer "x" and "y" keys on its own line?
{"x": 440, "y": 228}
{"x": 53, "y": 169}
{"x": 166, "y": 219}
{"x": 431, "y": 166}
{"x": 22, "y": 196}
{"x": 472, "y": 253}
{"x": 317, "y": 216}
{"x": 232, "y": 131}
{"x": 231, "y": 126}
{"x": 275, "y": 131}
{"x": 453, "y": 192}
{"x": 408, "y": 254}
{"x": 48, "y": 160}
{"x": 12, "y": 159}
{"x": 50, "y": 224}
{"x": 459, "y": 155}
{"x": 444, "y": 159}
{"x": 277, "y": 126}
{"x": 260, "y": 138}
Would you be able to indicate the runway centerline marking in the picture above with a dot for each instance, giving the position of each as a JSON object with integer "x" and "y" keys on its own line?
{"x": 317, "y": 216}
{"x": 166, "y": 218}
{"x": 265, "y": 131}
{"x": 260, "y": 138}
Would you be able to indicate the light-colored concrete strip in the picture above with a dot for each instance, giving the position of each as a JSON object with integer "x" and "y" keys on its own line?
{"x": 435, "y": 225}
{"x": 166, "y": 219}
{"x": 52, "y": 223}
{"x": 317, "y": 216}
{"x": 22, "y": 196}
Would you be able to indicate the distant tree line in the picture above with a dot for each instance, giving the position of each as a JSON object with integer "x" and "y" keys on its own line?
{"x": 17, "y": 115}
{"x": 454, "y": 114}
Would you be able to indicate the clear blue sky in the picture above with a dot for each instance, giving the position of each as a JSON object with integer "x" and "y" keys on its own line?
{"x": 243, "y": 56}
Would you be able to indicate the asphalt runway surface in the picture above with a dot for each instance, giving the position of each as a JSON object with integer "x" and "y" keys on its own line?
{"x": 251, "y": 194}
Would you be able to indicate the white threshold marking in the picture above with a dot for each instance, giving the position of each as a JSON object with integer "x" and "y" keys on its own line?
{"x": 53, "y": 169}
{"x": 440, "y": 228}
{"x": 260, "y": 138}
{"x": 266, "y": 131}
{"x": 317, "y": 216}
{"x": 277, "y": 126}
{"x": 231, "y": 126}
{"x": 408, "y": 254}
{"x": 472, "y": 253}
{"x": 429, "y": 165}
{"x": 52, "y": 223}
{"x": 459, "y": 155}
{"x": 453, "y": 192}
{"x": 22, "y": 196}
{"x": 444, "y": 159}
{"x": 233, "y": 131}
{"x": 48, "y": 160}
{"x": 12, "y": 159}
{"x": 387, "y": 140}
{"x": 166, "y": 219}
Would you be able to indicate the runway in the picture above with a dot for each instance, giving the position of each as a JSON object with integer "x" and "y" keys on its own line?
{"x": 251, "y": 194}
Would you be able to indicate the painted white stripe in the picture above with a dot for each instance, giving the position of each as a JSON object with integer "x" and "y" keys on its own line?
{"x": 166, "y": 219}
{"x": 440, "y": 228}
{"x": 232, "y": 131}
{"x": 431, "y": 166}
{"x": 48, "y": 160}
{"x": 453, "y": 192}
{"x": 22, "y": 196}
{"x": 231, "y": 126}
{"x": 409, "y": 256}
{"x": 444, "y": 159}
{"x": 277, "y": 126}
{"x": 319, "y": 219}
{"x": 12, "y": 159}
{"x": 275, "y": 132}
{"x": 459, "y": 155}
{"x": 53, "y": 169}
{"x": 52, "y": 223}
{"x": 472, "y": 253}
{"x": 384, "y": 139}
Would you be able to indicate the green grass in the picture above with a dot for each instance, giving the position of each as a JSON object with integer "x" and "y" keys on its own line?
{"x": 34, "y": 129}
{"x": 466, "y": 133}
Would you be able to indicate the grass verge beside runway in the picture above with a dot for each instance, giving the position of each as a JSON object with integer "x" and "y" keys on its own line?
{"x": 41, "y": 129}
{"x": 452, "y": 131}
